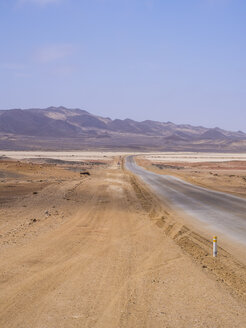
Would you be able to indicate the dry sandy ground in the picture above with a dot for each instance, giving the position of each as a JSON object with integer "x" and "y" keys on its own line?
{"x": 187, "y": 157}
{"x": 100, "y": 251}
{"x": 194, "y": 157}
{"x": 62, "y": 155}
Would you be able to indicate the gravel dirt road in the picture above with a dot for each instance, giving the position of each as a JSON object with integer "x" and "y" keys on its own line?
{"x": 103, "y": 260}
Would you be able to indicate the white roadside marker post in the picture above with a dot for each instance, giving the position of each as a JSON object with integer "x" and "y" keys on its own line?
{"x": 215, "y": 246}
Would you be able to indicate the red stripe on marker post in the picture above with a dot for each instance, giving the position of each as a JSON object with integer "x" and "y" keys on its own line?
{"x": 215, "y": 246}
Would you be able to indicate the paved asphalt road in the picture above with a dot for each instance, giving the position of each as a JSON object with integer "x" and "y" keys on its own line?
{"x": 223, "y": 212}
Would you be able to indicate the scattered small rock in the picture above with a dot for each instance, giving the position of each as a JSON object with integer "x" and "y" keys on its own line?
{"x": 85, "y": 173}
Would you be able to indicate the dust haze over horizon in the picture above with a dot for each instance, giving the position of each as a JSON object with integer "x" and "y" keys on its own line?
{"x": 178, "y": 61}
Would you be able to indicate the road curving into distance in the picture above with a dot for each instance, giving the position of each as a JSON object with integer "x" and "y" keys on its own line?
{"x": 223, "y": 212}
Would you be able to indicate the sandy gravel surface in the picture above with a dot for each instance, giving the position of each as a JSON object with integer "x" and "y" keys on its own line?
{"x": 62, "y": 155}
{"x": 104, "y": 256}
{"x": 190, "y": 157}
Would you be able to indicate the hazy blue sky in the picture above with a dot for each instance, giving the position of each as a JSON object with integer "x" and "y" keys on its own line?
{"x": 169, "y": 60}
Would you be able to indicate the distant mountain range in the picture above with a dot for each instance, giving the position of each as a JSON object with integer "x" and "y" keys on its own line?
{"x": 75, "y": 129}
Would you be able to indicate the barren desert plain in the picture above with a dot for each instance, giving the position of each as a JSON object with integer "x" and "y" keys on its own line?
{"x": 86, "y": 243}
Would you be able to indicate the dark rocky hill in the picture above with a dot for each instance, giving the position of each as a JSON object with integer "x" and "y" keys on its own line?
{"x": 63, "y": 128}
